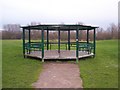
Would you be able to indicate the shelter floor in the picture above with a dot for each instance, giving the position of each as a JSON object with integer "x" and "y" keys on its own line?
{"x": 64, "y": 54}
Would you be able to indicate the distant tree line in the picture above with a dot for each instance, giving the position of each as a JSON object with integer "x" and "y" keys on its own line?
{"x": 110, "y": 33}
{"x": 13, "y": 31}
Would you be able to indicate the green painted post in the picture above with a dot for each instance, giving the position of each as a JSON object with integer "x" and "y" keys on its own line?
{"x": 29, "y": 37}
{"x": 47, "y": 39}
{"x": 80, "y": 35}
{"x": 42, "y": 44}
{"x": 23, "y": 42}
{"x": 77, "y": 44}
{"x": 58, "y": 40}
{"x": 87, "y": 36}
{"x": 68, "y": 39}
{"x": 94, "y": 38}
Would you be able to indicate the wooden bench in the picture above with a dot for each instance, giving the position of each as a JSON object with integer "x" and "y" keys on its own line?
{"x": 57, "y": 43}
{"x": 86, "y": 47}
{"x": 33, "y": 46}
{"x": 83, "y": 46}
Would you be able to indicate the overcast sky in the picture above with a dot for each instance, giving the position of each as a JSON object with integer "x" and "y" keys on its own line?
{"x": 95, "y": 12}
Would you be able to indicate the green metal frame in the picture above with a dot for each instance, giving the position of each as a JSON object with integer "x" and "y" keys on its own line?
{"x": 42, "y": 44}
{"x": 68, "y": 39}
{"x": 47, "y": 39}
{"x": 87, "y": 36}
{"x": 61, "y": 28}
{"x": 94, "y": 41}
{"x": 58, "y": 40}
{"x": 29, "y": 37}
{"x": 23, "y": 42}
{"x": 77, "y": 44}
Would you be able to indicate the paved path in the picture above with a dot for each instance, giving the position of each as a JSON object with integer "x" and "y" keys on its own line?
{"x": 59, "y": 75}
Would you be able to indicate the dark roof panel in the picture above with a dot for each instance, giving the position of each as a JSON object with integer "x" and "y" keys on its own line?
{"x": 55, "y": 27}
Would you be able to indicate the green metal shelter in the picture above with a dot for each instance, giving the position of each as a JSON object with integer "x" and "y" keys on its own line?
{"x": 81, "y": 47}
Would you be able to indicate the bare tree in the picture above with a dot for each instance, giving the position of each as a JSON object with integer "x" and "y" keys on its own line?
{"x": 0, "y": 34}
{"x": 114, "y": 31}
{"x": 118, "y": 30}
{"x": 11, "y": 31}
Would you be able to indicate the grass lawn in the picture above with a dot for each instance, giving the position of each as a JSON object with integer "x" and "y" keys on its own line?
{"x": 102, "y": 71}
{"x": 17, "y": 71}
{"x": 98, "y": 72}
